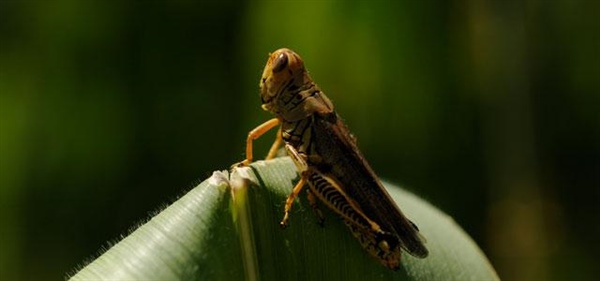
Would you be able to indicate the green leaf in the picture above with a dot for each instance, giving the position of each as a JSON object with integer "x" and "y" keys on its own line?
{"x": 214, "y": 234}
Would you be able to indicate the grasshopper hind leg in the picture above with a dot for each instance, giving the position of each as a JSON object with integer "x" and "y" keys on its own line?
{"x": 382, "y": 245}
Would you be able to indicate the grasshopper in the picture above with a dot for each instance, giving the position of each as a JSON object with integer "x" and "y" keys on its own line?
{"x": 328, "y": 159}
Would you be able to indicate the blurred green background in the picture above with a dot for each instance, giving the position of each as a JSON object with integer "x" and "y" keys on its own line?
{"x": 488, "y": 109}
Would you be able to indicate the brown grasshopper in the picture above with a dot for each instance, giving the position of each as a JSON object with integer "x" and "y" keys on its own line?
{"x": 328, "y": 159}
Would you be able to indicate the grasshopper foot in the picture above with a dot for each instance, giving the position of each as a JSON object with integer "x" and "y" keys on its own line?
{"x": 284, "y": 222}
{"x": 244, "y": 163}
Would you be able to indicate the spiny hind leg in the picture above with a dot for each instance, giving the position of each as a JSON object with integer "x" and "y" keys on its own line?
{"x": 328, "y": 190}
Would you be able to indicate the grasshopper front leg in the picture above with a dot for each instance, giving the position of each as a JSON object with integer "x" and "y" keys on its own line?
{"x": 275, "y": 146}
{"x": 255, "y": 134}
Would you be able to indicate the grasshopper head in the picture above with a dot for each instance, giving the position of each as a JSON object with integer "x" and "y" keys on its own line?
{"x": 283, "y": 73}
{"x": 287, "y": 90}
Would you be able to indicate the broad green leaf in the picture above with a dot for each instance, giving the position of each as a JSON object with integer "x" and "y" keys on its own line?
{"x": 227, "y": 228}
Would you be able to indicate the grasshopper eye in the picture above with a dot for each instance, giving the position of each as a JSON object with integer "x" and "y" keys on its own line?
{"x": 280, "y": 62}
